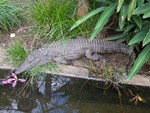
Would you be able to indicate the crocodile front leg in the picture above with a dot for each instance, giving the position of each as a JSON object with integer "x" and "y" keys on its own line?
{"x": 94, "y": 57}
{"x": 61, "y": 60}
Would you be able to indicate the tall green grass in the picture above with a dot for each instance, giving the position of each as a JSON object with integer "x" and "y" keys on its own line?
{"x": 10, "y": 16}
{"x": 55, "y": 18}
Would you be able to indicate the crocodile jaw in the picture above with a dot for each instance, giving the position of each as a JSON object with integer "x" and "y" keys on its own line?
{"x": 29, "y": 63}
{"x": 25, "y": 66}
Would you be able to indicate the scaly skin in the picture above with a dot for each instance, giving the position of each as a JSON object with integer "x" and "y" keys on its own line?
{"x": 72, "y": 49}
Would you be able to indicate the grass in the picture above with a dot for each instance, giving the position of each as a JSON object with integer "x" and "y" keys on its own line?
{"x": 17, "y": 53}
{"x": 55, "y": 18}
{"x": 36, "y": 72}
{"x": 10, "y": 16}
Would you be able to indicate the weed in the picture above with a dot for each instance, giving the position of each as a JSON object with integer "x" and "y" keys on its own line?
{"x": 10, "y": 16}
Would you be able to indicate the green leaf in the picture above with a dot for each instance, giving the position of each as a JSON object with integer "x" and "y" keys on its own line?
{"x": 128, "y": 28}
{"x": 142, "y": 9}
{"x": 118, "y": 36}
{"x": 147, "y": 14}
{"x": 140, "y": 2}
{"x": 89, "y": 15}
{"x": 131, "y": 8}
{"x": 105, "y": 1}
{"x": 146, "y": 25}
{"x": 140, "y": 61}
{"x": 120, "y": 2}
{"x": 137, "y": 20}
{"x": 138, "y": 37}
{"x": 103, "y": 20}
{"x": 147, "y": 38}
{"x": 122, "y": 16}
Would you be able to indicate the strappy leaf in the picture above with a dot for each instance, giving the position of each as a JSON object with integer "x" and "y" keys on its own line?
{"x": 103, "y": 20}
{"x": 128, "y": 28}
{"x": 105, "y": 1}
{"x": 122, "y": 16}
{"x": 120, "y": 2}
{"x": 142, "y": 9}
{"x": 140, "y": 2}
{"x": 138, "y": 37}
{"x": 137, "y": 20}
{"x": 131, "y": 8}
{"x": 118, "y": 36}
{"x": 140, "y": 61}
{"x": 147, "y": 14}
{"x": 146, "y": 39}
{"x": 89, "y": 15}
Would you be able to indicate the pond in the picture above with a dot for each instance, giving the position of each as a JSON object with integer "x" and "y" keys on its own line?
{"x": 70, "y": 95}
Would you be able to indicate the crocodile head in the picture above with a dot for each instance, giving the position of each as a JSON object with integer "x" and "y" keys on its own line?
{"x": 31, "y": 61}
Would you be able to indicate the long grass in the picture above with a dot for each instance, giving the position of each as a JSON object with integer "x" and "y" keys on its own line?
{"x": 10, "y": 15}
{"x": 55, "y": 18}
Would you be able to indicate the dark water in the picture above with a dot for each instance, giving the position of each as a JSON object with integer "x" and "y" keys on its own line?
{"x": 77, "y": 96}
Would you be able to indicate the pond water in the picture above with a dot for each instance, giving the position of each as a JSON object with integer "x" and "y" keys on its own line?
{"x": 76, "y": 96}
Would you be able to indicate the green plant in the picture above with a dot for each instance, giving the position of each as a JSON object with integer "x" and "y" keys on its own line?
{"x": 133, "y": 23}
{"x": 10, "y": 15}
{"x": 17, "y": 53}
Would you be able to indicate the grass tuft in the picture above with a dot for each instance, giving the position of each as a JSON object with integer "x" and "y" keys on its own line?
{"x": 10, "y": 16}
{"x": 17, "y": 53}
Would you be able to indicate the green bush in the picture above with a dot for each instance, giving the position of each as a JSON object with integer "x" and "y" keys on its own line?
{"x": 10, "y": 16}
{"x": 133, "y": 22}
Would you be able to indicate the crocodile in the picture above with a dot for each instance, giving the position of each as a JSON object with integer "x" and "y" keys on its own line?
{"x": 72, "y": 49}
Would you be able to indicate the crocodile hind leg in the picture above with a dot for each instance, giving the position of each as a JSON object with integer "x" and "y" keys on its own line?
{"x": 61, "y": 60}
{"x": 94, "y": 57}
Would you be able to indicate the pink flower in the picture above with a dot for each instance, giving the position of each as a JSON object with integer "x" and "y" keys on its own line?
{"x": 13, "y": 79}
{"x": 22, "y": 30}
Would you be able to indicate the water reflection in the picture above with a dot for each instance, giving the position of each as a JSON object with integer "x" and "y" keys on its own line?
{"x": 64, "y": 95}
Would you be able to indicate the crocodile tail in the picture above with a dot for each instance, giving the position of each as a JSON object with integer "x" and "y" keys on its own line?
{"x": 131, "y": 61}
